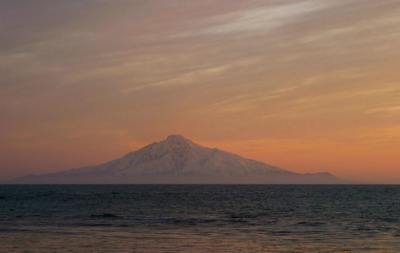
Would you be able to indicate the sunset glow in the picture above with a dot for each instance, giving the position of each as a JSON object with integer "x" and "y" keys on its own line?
{"x": 307, "y": 86}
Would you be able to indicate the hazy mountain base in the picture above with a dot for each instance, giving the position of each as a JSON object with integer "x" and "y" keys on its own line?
{"x": 188, "y": 178}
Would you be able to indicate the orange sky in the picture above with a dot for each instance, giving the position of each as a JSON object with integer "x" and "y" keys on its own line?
{"x": 307, "y": 86}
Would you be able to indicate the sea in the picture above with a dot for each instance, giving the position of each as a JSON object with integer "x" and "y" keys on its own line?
{"x": 199, "y": 218}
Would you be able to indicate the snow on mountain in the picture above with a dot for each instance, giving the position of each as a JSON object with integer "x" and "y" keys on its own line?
{"x": 177, "y": 155}
{"x": 179, "y": 160}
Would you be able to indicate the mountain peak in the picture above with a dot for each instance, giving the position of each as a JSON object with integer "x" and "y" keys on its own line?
{"x": 177, "y": 140}
{"x": 176, "y": 137}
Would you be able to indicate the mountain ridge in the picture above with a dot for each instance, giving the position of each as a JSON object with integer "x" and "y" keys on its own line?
{"x": 179, "y": 160}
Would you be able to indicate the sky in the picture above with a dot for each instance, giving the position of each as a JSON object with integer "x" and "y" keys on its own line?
{"x": 307, "y": 86}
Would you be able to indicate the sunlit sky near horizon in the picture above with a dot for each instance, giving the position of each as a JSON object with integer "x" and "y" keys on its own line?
{"x": 307, "y": 86}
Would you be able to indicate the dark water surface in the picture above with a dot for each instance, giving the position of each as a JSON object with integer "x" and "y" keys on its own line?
{"x": 200, "y": 218}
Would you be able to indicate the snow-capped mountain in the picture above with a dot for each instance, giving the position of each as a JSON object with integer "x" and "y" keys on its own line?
{"x": 178, "y": 155}
{"x": 179, "y": 160}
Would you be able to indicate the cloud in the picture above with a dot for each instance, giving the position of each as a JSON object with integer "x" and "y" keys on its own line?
{"x": 259, "y": 20}
{"x": 220, "y": 69}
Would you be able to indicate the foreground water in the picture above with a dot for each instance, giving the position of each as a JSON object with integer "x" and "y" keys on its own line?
{"x": 199, "y": 218}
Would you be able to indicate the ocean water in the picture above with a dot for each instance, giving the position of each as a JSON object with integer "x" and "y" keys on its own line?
{"x": 199, "y": 218}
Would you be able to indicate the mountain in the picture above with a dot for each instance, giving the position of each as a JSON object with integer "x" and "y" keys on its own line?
{"x": 178, "y": 160}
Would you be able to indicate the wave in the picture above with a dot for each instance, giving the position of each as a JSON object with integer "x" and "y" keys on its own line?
{"x": 136, "y": 219}
{"x": 311, "y": 224}
{"x": 104, "y": 215}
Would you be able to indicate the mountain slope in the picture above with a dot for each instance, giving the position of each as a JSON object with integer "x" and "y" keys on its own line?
{"x": 179, "y": 160}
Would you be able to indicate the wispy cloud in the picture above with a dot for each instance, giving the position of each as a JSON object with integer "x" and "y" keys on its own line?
{"x": 255, "y": 21}
{"x": 125, "y": 72}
